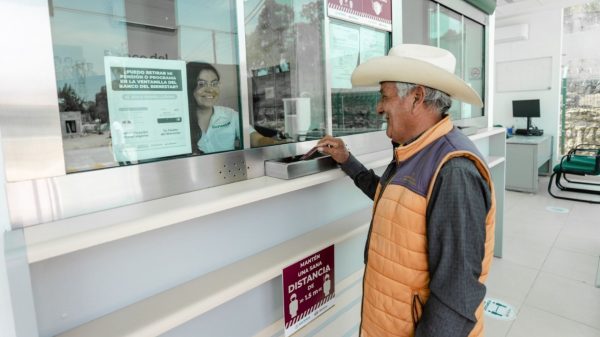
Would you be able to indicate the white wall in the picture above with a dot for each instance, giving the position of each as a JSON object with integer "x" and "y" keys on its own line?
{"x": 7, "y": 325}
{"x": 74, "y": 288}
{"x": 545, "y": 36}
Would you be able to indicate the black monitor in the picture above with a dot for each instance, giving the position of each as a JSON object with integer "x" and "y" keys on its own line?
{"x": 526, "y": 108}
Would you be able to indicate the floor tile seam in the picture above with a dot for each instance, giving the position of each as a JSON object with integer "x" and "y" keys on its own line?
{"x": 526, "y": 266}
{"x": 510, "y": 326}
{"x": 535, "y": 279}
{"x": 521, "y": 265}
{"x": 561, "y": 316}
{"x": 579, "y": 250}
{"x": 571, "y": 279}
{"x": 568, "y": 250}
{"x": 547, "y": 256}
{"x": 536, "y": 223}
{"x": 521, "y": 237}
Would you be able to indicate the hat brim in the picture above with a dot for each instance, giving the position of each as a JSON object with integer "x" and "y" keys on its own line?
{"x": 409, "y": 70}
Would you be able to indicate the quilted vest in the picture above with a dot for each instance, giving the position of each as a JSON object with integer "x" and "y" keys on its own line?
{"x": 396, "y": 280}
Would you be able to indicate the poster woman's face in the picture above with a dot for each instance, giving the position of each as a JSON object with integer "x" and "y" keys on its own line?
{"x": 207, "y": 89}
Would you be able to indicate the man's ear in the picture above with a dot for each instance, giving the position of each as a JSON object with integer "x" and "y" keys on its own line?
{"x": 419, "y": 95}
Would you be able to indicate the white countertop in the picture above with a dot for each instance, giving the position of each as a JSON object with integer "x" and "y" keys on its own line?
{"x": 68, "y": 235}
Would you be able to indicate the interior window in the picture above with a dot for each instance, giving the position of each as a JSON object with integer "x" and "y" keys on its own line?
{"x": 284, "y": 51}
{"x": 354, "y": 109}
{"x": 474, "y": 65}
{"x": 142, "y": 81}
{"x": 465, "y": 38}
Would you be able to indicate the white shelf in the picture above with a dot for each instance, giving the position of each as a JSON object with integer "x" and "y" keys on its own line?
{"x": 487, "y": 132}
{"x": 56, "y": 238}
{"x": 494, "y": 161}
{"x": 160, "y": 313}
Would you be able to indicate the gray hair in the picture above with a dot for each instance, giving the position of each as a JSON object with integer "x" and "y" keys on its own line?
{"x": 433, "y": 97}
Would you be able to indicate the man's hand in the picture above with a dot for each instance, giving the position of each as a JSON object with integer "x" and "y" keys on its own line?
{"x": 334, "y": 147}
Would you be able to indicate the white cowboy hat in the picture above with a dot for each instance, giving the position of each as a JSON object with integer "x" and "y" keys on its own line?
{"x": 419, "y": 64}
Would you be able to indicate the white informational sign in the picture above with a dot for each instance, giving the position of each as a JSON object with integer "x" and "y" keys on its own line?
{"x": 148, "y": 108}
{"x": 308, "y": 289}
{"x": 372, "y": 44}
{"x": 344, "y": 50}
{"x": 373, "y": 13}
{"x": 498, "y": 309}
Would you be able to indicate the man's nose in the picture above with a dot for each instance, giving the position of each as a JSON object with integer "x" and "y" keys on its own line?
{"x": 379, "y": 107}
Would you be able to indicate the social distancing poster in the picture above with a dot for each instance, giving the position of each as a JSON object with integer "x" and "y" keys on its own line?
{"x": 308, "y": 289}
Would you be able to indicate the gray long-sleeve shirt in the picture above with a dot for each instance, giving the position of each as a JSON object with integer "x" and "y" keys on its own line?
{"x": 455, "y": 218}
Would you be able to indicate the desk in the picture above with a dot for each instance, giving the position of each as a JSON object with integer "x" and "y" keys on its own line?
{"x": 526, "y": 157}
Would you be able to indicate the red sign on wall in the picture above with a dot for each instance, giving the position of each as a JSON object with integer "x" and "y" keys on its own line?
{"x": 373, "y": 13}
{"x": 308, "y": 289}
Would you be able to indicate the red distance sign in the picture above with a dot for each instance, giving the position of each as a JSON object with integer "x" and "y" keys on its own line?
{"x": 308, "y": 289}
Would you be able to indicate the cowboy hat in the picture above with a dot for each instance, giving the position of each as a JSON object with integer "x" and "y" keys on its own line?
{"x": 419, "y": 64}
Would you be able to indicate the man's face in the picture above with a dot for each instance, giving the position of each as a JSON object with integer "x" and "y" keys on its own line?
{"x": 397, "y": 112}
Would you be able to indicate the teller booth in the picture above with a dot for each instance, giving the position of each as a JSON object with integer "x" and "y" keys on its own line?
{"x": 135, "y": 136}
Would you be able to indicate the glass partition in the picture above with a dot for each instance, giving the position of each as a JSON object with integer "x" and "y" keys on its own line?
{"x": 465, "y": 39}
{"x": 474, "y": 42}
{"x": 354, "y": 109}
{"x": 141, "y": 81}
{"x": 449, "y": 36}
{"x": 286, "y": 69}
{"x": 427, "y": 22}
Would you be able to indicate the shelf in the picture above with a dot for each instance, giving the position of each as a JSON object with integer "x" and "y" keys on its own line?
{"x": 494, "y": 161}
{"x": 487, "y": 132}
{"x": 64, "y": 236}
{"x": 165, "y": 311}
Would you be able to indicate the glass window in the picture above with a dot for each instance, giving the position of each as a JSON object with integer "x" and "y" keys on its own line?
{"x": 449, "y": 35}
{"x": 419, "y": 19}
{"x": 460, "y": 35}
{"x": 354, "y": 109}
{"x": 142, "y": 81}
{"x": 284, "y": 52}
{"x": 474, "y": 66}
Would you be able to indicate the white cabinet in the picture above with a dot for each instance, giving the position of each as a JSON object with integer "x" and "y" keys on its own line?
{"x": 526, "y": 158}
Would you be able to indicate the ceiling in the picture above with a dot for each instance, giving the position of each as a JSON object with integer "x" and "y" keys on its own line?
{"x": 509, "y": 8}
{"x": 500, "y": 3}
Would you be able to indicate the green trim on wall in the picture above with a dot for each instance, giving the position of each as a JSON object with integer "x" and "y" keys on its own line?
{"x": 488, "y": 6}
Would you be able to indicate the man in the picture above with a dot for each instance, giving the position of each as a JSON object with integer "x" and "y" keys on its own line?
{"x": 431, "y": 237}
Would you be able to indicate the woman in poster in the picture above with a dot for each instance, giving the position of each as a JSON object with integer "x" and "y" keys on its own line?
{"x": 214, "y": 128}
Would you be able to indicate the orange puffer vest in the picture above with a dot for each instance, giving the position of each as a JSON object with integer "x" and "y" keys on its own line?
{"x": 397, "y": 272}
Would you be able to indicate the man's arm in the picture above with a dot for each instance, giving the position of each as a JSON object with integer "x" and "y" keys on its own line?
{"x": 364, "y": 179}
{"x": 456, "y": 216}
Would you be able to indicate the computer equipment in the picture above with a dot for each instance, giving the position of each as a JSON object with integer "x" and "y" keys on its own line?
{"x": 532, "y": 132}
{"x": 527, "y": 108}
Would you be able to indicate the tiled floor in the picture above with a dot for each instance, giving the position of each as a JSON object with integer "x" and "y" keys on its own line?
{"x": 548, "y": 269}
